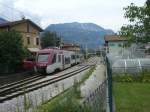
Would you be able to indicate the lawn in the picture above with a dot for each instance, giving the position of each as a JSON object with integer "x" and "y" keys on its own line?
{"x": 131, "y": 97}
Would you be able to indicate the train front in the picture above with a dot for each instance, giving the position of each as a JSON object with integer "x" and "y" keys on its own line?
{"x": 43, "y": 59}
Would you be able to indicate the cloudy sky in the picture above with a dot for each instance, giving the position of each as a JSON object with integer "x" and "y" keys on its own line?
{"x": 106, "y": 13}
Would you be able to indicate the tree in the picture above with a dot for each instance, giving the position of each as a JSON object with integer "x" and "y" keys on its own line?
{"x": 50, "y": 39}
{"x": 12, "y": 51}
{"x": 139, "y": 28}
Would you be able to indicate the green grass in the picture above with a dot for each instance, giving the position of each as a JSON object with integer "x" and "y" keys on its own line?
{"x": 68, "y": 101}
{"x": 132, "y": 97}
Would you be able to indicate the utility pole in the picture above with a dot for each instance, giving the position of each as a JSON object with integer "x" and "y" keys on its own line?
{"x": 86, "y": 51}
{"x": 61, "y": 42}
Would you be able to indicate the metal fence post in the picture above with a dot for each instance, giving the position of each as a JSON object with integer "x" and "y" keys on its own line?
{"x": 109, "y": 72}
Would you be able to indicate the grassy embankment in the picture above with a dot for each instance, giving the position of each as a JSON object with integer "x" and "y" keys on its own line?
{"x": 68, "y": 101}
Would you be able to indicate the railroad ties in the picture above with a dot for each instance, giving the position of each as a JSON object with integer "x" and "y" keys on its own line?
{"x": 12, "y": 90}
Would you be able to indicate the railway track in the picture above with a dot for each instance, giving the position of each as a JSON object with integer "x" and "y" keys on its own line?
{"x": 22, "y": 82}
{"x": 10, "y": 78}
{"x": 13, "y": 90}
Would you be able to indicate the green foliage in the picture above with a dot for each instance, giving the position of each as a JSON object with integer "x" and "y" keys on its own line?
{"x": 69, "y": 101}
{"x": 12, "y": 51}
{"x": 66, "y": 102}
{"x": 50, "y": 39}
{"x": 123, "y": 78}
{"x": 131, "y": 97}
{"x": 139, "y": 27}
{"x": 87, "y": 74}
{"x": 143, "y": 77}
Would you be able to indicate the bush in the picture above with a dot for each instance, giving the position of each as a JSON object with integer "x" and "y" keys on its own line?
{"x": 123, "y": 78}
{"x": 143, "y": 77}
{"x": 12, "y": 51}
{"x": 50, "y": 39}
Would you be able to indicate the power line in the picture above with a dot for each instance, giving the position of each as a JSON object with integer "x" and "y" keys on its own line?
{"x": 19, "y": 13}
{"x": 10, "y": 7}
{"x": 15, "y": 14}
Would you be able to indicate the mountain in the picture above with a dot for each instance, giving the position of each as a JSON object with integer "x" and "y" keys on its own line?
{"x": 2, "y": 20}
{"x": 88, "y": 34}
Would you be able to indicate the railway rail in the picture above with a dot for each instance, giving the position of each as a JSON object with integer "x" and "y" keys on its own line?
{"x": 13, "y": 90}
{"x": 10, "y": 78}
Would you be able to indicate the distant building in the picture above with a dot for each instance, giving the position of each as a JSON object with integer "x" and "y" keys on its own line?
{"x": 71, "y": 47}
{"x": 29, "y": 31}
{"x": 114, "y": 43}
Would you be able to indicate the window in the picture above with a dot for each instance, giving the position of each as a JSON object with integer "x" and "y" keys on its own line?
{"x": 37, "y": 41}
{"x": 59, "y": 58}
{"x": 29, "y": 28}
{"x": 67, "y": 60}
{"x": 77, "y": 56}
{"x": 43, "y": 57}
{"x": 111, "y": 44}
{"x": 54, "y": 59}
{"x": 28, "y": 40}
{"x": 72, "y": 56}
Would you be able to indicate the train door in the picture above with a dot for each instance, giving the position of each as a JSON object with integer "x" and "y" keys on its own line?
{"x": 63, "y": 62}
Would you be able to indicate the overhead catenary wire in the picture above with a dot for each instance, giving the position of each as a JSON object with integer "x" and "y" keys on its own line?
{"x": 11, "y": 13}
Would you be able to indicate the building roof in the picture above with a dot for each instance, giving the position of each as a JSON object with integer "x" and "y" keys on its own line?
{"x": 70, "y": 45}
{"x": 114, "y": 38}
{"x": 7, "y": 24}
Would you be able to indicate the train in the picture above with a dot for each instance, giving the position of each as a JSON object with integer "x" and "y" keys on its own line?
{"x": 52, "y": 59}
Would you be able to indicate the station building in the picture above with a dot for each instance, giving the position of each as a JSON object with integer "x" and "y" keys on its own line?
{"x": 28, "y": 29}
{"x": 114, "y": 43}
{"x": 70, "y": 47}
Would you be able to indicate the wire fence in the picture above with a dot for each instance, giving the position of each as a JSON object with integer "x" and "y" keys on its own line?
{"x": 96, "y": 101}
{"x": 130, "y": 70}
{"x": 110, "y": 85}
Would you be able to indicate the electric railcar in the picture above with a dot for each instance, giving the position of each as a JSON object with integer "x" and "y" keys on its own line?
{"x": 51, "y": 60}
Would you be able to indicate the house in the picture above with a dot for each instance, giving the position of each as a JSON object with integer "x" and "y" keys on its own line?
{"x": 114, "y": 43}
{"x": 70, "y": 47}
{"x": 29, "y": 31}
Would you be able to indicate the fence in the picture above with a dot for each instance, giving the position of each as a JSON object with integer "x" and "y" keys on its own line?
{"x": 109, "y": 78}
{"x": 96, "y": 102}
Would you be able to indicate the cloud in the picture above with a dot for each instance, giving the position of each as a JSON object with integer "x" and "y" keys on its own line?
{"x": 107, "y": 13}
{"x": 10, "y": 12}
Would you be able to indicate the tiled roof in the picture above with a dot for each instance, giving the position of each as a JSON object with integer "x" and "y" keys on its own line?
{"x": 6, "y": 24}
{"x": 114, "y": 38}
{"x": 70, "y": 45}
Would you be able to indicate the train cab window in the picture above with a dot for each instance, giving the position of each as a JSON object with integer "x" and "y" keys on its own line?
{"x": 59, "y": 58}
{"x": 43, "y": 57}
{"x": 54, "y": 59}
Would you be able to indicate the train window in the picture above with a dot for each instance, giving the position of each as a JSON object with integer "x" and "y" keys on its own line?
{"x": 67, "y": 60}
{"x": 54, "y": 59}
{"x": 59, "y": 58}
{"x": 72, "y": 56}
{"x": 43, "y": 57}
{"x": 77, "y": 56}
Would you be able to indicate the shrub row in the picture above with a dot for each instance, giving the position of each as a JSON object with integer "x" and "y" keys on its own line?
{"x": 143, "y": 77}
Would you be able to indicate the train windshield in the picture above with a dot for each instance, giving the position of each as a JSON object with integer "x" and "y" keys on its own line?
{"x": 43, "y": 57}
